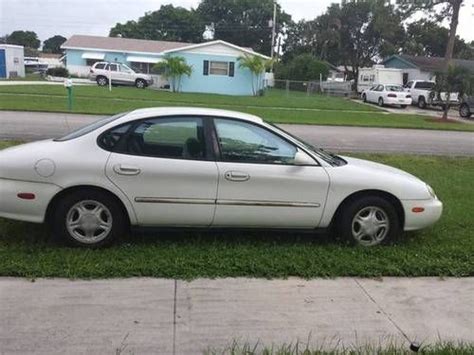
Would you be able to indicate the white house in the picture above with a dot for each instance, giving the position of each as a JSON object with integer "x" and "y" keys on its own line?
{"x": 11, "y": 61}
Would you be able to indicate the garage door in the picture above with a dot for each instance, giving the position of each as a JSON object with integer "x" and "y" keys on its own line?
{"x": 3, "y": 68}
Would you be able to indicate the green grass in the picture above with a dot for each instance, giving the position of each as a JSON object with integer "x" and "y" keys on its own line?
{"x": 443, "y": 250}
{"x": 440, "y": 348}
{"x": 28, "y": 77}
{"x": 275, "y": 107}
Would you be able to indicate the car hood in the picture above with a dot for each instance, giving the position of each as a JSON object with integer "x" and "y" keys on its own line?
{"x": 359, "y": 174}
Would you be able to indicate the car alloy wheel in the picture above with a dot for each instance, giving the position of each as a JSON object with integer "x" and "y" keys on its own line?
{"x": 140, "y": 84}
{"x": 380, "y": 102}
{"x": 102, "y": 81}
{"x": 89, "y": 222}
{"x": 370, "y": 226}
{"x": 464, "y": 111}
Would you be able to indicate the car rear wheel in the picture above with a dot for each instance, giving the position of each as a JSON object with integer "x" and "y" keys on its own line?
{"x": 102, "y": 81}
{"x": 140, "y": 83}
{"x": 369, "y": 221}
{"x": 88, "y": 218}
{"x": 380, "y": 102}
{"x": 464, "y": 111}
{"x": 421, "y": 102}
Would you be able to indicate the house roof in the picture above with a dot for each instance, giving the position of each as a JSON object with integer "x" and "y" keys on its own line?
{"x": 140, "y": 45}
{"x": 120, "y": 44}
{"x": 431, "y": 64}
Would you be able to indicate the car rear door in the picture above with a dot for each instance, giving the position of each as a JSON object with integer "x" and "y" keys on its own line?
{"x": 164, "y": 167}
{"x": 259, "y": 186}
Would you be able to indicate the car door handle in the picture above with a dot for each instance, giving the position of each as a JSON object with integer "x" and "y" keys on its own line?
{"x": 236, "y": 176}
{"x": 126, "y": 169}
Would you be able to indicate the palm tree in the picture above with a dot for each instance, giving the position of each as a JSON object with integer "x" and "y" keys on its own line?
{"x": 257, "y": 66}
{"x": 174, "y": 68}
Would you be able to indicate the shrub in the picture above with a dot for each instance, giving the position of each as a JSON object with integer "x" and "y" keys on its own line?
{"x": 303, "y": 67}
{"x": 58, "y": 71}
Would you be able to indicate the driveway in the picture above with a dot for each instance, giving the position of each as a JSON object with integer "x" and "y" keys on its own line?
{"x": 20, "y": 125}
{"x": 164, "y": 316}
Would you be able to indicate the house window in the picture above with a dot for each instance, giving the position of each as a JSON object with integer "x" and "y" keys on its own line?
{"x": 142, "y": 67}
{"x": 91, "y": 62}
{"x": 16, "y": 60}
{"x": 218, "y": 68}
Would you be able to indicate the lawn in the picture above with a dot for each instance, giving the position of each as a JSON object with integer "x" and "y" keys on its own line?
{"x": 275, "y": 106}
{"x": 443, "y": 250}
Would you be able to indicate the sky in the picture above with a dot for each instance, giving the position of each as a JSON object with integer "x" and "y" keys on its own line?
{"x": 95, "y": 17}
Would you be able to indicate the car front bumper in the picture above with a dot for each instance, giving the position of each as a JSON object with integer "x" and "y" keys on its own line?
{"x": 13, "y": 207}
{"x": 432, "y": 210}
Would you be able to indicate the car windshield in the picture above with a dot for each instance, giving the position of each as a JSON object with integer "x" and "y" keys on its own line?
{"x": 328, "y": 157}
{"x": 393, "y": 88}
{"x": 89, "y": 128}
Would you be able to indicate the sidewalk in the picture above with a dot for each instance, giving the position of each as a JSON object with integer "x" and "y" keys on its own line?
{"x": 159, "y": 316}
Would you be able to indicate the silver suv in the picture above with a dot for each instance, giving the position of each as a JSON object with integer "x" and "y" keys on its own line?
{"x": 119, "y": 73}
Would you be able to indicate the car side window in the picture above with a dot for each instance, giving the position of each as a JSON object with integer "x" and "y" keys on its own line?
{"x": 100, "y": 66}
{"x": 174, "y": 137}
{"x": 113, "y": 67}
{"x": 247, "y": 143}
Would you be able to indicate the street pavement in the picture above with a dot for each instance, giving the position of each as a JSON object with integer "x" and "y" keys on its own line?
{"x": 165, "y": 316}
{"x": 20, "y": 125}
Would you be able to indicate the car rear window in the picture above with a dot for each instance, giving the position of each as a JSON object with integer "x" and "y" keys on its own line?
{"x": 424, "y": 85}
{"x": 89, "y": 128}
{"x": 100, "y": 66}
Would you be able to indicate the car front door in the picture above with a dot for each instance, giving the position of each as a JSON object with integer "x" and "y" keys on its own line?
{"x": 165, "y": 168}
{"x": 259, "y": 184}
{"x": 125, "y": 74}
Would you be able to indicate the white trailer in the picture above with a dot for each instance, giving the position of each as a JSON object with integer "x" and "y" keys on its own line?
{"x": 11, "y": 61}
{"x": 378, "y": 74}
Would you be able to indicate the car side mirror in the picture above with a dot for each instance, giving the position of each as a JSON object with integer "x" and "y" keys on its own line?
{"x": 301, "y": 158}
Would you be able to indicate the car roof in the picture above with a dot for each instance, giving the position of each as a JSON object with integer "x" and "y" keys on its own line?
{"x": 189, "y": 111}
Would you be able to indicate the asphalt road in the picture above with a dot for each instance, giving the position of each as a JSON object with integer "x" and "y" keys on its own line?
{"x": 165, "y": 316}
{"x": 40, "y": 125}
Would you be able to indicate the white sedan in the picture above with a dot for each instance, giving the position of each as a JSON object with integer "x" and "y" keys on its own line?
{"x": 203, "y": 168}
{"x": 387, "y": 95}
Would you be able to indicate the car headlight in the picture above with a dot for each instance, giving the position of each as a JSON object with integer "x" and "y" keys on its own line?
{"x": 431, "y": 191}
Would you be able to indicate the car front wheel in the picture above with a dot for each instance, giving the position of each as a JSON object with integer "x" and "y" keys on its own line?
{"x": 140, "y": 83}
{"x": 369, "y": 221}
{"x": 88, "y": 218}
{"x": 380, "y": 102}
{"x": 364, "y": 97}
{"x": 421, "y": 102}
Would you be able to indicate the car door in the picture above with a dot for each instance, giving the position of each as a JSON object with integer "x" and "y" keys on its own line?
{"x": 164, "y": 167}
{"x": 259, "y": 186}
{"x": 112, "y": 72}
{"x": 125, "y": 75}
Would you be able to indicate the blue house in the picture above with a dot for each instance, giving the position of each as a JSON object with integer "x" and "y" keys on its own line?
{"x": 215, "y": 66}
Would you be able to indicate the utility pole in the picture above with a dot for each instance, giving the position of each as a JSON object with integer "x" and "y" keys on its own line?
{"x": 273, "y": 28}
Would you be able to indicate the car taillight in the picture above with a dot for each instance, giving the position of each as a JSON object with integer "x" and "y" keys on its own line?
{"x": 408, "y": 96}
{"x": 392, "y": 95}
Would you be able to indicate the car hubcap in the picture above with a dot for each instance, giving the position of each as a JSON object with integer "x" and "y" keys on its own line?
{"x": 102, "y": 82}
{"x": 89, "y": 222}
{"x": 140, "y": 84}
{"x": 370, "y": 226}
{"x": 464, "y": 111}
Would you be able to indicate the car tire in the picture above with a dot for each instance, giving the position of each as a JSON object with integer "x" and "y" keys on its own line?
{"x": 364, "y": 97}
{"x": 464, "y": 111}
{"x": 403, "y": 106}
{"x": 369, "y": 221}
{"x": 422, "y": 102}
{"x": 88, "y": 218}
{"x": 102, "y": 81}
{"x": 140, "y": 84}
{"x": 380, "y": 102}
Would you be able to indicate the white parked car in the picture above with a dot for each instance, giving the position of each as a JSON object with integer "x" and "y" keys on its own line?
{"x": 119, "y": 74}
{"x": 195, "y": 167}
{"x": 423, "y": 94}
{"x": 388, "y": 94}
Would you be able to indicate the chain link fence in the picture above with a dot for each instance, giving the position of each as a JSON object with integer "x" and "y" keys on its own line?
{"x": 298, "y": 88}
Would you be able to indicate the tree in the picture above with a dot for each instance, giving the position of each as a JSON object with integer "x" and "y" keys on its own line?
{"x": 169, "y": 23}
{"x": 257, "y": 66}
{"x": 453, "y": 80}
{"x": 426, "y": 37}
{"x": 53, "y": 44}
{"x": 174, "y": 68}
{"x": 303, "y": 67}
{"x": 243, "y": 22}
{"x": 439, "y": 10}
{"x": 24, "y": 38}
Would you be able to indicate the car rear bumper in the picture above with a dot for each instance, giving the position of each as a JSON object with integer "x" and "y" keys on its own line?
{"x": 432, "y": 210}
{"x": 34, "y": 210}
{"x": 397, "y": 101}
